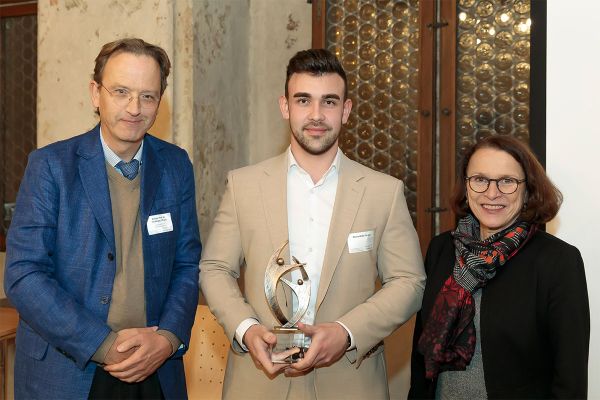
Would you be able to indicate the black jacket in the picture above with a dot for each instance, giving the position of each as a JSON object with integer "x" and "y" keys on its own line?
{"x": 535, "y": 321}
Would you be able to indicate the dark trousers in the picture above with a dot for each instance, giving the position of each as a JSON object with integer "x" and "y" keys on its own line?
{"x": 105, "y": 386}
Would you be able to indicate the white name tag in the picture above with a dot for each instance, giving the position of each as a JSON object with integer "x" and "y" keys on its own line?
{"x": 360, "y": 241}
{"x": 159, "y": 223}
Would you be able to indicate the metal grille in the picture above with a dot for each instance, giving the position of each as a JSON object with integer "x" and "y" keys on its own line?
{"x": 18, "y": 89}
{"x": 493, "y": 42}
{"x": 378, "y": 45}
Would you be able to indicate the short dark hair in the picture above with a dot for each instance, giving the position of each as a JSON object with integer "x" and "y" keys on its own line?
{"x": 543, "y": 198}
{"x": 315, "y": 62}
{"x": 133, "y": 46}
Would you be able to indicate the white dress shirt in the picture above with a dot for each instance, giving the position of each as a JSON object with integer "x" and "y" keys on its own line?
{"x": 310, "y": 206}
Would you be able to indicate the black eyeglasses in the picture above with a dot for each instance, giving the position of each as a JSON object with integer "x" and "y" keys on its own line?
{"x": 506, "y": 185}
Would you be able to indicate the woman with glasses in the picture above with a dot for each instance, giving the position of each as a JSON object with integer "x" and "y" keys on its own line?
{"x": 505, "y": 312}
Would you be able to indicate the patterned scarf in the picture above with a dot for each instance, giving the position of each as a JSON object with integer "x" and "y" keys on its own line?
{"x": 448, "y": 338}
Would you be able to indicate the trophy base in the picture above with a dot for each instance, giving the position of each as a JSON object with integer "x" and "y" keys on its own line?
{"x": 290, "y": 346}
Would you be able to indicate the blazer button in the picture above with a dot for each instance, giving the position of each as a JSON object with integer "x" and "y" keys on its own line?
{"x": 111, "y": 256}
{"x": 104, "y": 299}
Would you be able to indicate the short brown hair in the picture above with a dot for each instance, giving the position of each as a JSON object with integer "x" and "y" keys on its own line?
{"x": 315, "y": 62}
{"x": 543, "y": 198}
{"x": 133, "y": 46}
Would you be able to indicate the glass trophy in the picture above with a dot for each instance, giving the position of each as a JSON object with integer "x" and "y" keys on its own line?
{"x": 290, "y": 346}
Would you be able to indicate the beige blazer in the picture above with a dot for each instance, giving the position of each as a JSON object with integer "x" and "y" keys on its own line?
{"x": 252, "y": 223}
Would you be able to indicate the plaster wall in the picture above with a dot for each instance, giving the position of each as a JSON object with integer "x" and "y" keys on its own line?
{"x": 70, "y": 35}
{"x": 220, "y": 99}
{"x": 278, "y": 31}
{"x": 241, "y": 49}
{"x": 573, "y": 140}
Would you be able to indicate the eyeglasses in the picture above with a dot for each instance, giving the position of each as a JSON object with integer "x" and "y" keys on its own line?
{"x": 507, "y": 185}
{"x": 122, "y": 97}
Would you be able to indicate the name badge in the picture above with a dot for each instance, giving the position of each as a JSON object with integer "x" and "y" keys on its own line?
{"x": 159, "y": 223}
{"x": 361, "y": 241}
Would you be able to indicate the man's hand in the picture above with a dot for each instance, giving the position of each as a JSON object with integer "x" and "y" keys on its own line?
{"x": 329, "y": 342}
{"x": 259, "y": 340}
{"x": 150, "y": 350}
{"x": 113, "y": 356}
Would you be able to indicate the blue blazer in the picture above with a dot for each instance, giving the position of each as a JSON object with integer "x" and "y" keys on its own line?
{"x": 60, "y": 262}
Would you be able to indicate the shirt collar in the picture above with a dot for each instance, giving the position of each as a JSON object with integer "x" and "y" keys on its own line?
{"x": 335, "y": 165}
{"x": 112, "y": 158}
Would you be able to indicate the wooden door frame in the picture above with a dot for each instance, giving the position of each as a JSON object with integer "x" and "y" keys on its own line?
{"x": 17, "y": 8}
{"x": 426, "y": 127}
{"x": 447, "y": 120}
{"x": 537, "y": 79}
{"x": 319, "y": 11}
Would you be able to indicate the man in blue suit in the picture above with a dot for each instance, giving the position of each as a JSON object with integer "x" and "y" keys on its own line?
{"x": 102, "y": 261}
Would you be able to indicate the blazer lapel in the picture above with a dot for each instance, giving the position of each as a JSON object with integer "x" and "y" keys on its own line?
{"x": 274, "y": 195}
{"x": 273, "y": 186}
{"x": 94, "y": 179}
{"x": 152, "y": 172}
{"x": 347, "y": 201}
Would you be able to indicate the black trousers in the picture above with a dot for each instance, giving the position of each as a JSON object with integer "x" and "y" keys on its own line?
{"x": 105, "y": 386}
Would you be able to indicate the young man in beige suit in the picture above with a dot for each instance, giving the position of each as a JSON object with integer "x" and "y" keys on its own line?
{"x": 348, "y": 223}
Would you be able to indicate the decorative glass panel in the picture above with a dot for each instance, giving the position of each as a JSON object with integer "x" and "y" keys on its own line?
{"x": 493, "y": 41}
{"x": 378, "y": 45}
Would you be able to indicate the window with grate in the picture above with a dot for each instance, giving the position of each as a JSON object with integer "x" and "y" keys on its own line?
{"x": 18, "y": 91}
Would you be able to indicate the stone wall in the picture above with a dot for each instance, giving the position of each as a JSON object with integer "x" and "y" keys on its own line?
{"x": 228, "y": 57}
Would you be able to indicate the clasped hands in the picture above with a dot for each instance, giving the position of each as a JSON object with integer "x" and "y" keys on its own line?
{"x": 137, "y": 353}
{"x": 329, "y": 342}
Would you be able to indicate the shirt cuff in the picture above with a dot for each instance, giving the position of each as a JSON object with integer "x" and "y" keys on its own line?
{"x": 100, "y": 354}
{"x": 352, "y": 346}
{"x": 175, "y": 342}
{"x": 241, "y": 331}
